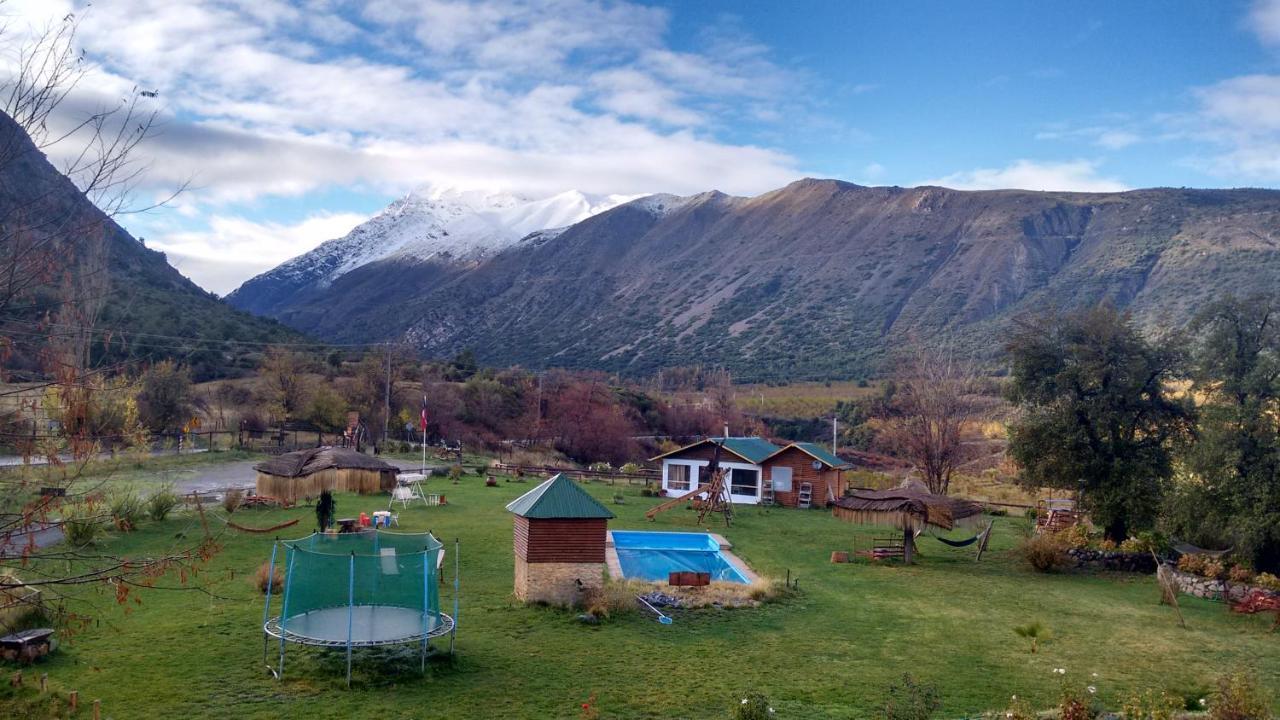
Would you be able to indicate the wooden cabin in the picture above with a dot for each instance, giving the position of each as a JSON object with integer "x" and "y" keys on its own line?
{"x": 789, "y": 470}
{"x": 560, "y": 538}
{"x": 757, "y": 471}
{"x": 305, "y": 473}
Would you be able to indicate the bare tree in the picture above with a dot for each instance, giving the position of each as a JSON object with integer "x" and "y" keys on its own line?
{"x": 53, "y": 288}
{"x": 926, "y": 414}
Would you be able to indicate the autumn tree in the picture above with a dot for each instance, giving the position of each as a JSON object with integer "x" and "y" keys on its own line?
{"x": 925, "y": 415}
{"x": 284, "y": 381}
{"x": 1095, "y": 413}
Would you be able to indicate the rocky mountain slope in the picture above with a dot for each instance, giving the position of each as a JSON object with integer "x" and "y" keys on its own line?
{"x": 62, "y": 246}
{"x": 430, "y": 226}
{"x": 818, "y": 279}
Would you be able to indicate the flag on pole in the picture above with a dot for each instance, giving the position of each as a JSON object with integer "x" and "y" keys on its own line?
{"x": 422, "y": 418}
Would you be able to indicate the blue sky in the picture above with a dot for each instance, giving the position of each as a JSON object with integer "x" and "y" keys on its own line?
{"x": 294, "y": 121}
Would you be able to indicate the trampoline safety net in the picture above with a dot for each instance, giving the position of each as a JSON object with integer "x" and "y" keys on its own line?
{"x": 358, "y": 589}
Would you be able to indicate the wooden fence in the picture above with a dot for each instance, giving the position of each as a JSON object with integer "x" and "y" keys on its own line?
{"x": 644, "y": 476}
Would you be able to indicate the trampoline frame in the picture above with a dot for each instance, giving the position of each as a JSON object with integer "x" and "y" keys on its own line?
{"x": 273, "y": 627}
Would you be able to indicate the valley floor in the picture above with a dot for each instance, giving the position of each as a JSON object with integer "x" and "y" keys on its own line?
{"x": 828, "y": 651}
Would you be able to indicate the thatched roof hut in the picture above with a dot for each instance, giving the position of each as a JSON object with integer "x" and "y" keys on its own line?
{"x": 910, "y": 508}
{"x": 305, "y": 473}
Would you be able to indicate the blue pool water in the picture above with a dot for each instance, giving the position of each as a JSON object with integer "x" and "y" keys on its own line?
{"x": 653, "y": 555}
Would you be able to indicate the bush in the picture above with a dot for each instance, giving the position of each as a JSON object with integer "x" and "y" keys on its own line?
{"x": 1019, "y": 709}
{"x": 455, "y": 473}
{"x": 161, "y": 503}
{"x": 1045, "y": 552}
{"x": 1150, "y": 705}
{"x": 325, "y": 508}
{"x": 600, "y": 467}
{"x": 614, "y": 598}
{"x": 911, "y": 700}
{"x": 1214, "y": 570}
{"x": 127, "y": 509}
{"x": 1035, "y": 632}
{"x": 1268, "y": 581}
{"x": 630, "y": 468}
{"x": 755, "y": 706}
{"x": 276, "y": 576}
{"x": 82, "y": 523}
{"x": 232, "y": 499}
{"x": 1076, "y": 536}
{"x": 1239, "y": 697}
{"x": 1240, "y": 574}
{"x": 1074, "y": 706}
{"x": 1193, "y": 564}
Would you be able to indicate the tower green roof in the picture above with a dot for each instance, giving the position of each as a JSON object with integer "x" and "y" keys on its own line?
{"x": 559, "y": 498}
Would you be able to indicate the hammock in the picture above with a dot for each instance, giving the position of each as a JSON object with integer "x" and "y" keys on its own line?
{"x": 1183, "y": 548}
{"x": 957, "y": 543}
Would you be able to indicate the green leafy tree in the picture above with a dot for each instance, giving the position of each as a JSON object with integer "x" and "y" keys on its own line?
{"x": 166, "y": 398}
{"x": 1096, "y": 414}
{"x": 1234, "y": 489}
{"x": 327, "y": 410}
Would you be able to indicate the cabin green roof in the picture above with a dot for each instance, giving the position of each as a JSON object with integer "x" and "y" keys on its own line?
{"x": 751, "y": 449}
{"x": 820, "y": 453}
{"x": 559, "y": 498}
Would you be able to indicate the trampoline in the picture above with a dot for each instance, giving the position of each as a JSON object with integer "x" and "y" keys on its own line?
{"x": 362, "y": 589}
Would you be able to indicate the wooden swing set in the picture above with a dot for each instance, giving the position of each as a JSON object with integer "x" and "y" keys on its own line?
{"x": 707, "y": 499}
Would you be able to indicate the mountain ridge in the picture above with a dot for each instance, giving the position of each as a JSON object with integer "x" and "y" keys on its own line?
{"x": 818, "y": 279}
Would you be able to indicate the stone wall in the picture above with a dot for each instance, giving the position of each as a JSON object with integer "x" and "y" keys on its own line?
{"x": 1115, "y": 560}
{"x": 1203, "y": 587}
{"x": 556, "y": 583}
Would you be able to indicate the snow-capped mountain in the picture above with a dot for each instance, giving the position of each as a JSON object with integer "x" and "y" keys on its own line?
{"x": 431, "y": 224}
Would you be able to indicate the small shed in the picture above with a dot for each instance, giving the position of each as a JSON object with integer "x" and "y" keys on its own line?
{"x": 305, "y": 473}
{"x": 789, "y": 470}
{"x": 560, "y": 538}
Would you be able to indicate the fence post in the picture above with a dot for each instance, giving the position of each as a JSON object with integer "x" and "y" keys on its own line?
{"x": 74, "y": 698}
{"x": 97, "y": 710}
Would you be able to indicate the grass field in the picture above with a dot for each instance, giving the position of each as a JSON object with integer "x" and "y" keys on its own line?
{"x": 828, "y": 651}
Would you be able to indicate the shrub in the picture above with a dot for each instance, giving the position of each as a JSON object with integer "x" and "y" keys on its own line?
{"x": 1193, "y": 564}
{"x": 1106, "y": 544}
{"x": 1240, "y": 574}
{"x": 127, "y": 509}
{"x": 1268, "y": 581}
{"x": 1144, "y": 542}
{"x": 161, "y": 503}
{"x": 612, "y": 599}
{"x": 911, "y": 700}
{"x": 755, "y": 706}
{"x": 630, "y": 468}
{"x": 1034, "y": 631}
{"x": 600, "y": 467}
{"x": 455, "y": 473}
{"x": 1239, "y": 697}
{"x": 1076, "y": 536}
{"x": 232, "y": 499}
{"x": 276, "y": 577}
{"x": 1074, "y": 706}
{"x": 1214, "y": 570}
{"x": 1150, "y": 705}
{"x": 1045, "y": 552}
{"x": 325, "y": 508}
{"x": 1019, "y": 709}
{"x": 81, "y": 523}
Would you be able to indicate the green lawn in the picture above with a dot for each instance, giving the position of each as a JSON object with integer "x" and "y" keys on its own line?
{"x": 827, "y": 652}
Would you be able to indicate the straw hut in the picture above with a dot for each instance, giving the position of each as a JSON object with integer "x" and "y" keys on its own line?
{"x": 910, "y": 508}
{"x": 307, "y": 472}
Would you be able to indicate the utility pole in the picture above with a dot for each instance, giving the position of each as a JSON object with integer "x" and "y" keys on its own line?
{"x": 834, "y": 422}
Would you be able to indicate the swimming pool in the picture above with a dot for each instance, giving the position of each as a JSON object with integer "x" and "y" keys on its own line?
{"x": 653, "y": 555}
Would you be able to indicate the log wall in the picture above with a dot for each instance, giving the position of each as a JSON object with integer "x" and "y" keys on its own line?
{"x": 560, "y": 541}
{"x": 364, "y": 482}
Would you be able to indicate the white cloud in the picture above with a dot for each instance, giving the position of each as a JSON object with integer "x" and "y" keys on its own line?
{"x": 1264, "y": 21}
{"x": 1074, "y": 175}
{"x": 269, "y": 98}
{"x": 1241, "y": 116}
{"x": 232, "y": 248}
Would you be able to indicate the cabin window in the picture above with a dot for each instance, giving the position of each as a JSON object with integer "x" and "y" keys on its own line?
{"x": 678, "y": 477}
{"x": 781, "y": 478}
{"x": 744, "y": 482}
